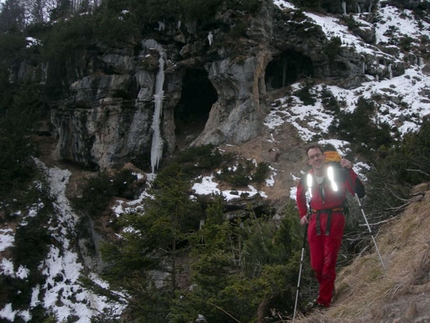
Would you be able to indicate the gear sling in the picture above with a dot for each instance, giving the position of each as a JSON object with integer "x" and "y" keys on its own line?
{"x": 311, "y": 181}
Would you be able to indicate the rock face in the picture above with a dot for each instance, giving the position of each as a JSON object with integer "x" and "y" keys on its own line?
{"x": 108, "y": 118}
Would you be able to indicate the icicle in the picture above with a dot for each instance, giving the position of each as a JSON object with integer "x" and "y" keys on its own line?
{"x": 161, "y": 25}
{"x": 390, "y": 72}
{"x": 344, "y": 7}
{"x": 210, "y": 38}
{"x": 157, "y": 140}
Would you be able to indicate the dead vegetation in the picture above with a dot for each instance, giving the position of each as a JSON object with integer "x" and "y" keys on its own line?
{"x": 367, "y": 293}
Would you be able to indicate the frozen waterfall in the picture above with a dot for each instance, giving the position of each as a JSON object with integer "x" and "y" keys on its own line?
{"x": 157, "y": 140}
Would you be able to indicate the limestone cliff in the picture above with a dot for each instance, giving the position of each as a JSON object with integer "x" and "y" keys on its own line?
{"x": 217, "y": 85}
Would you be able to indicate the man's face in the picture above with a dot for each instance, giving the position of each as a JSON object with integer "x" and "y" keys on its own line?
{"x": 316, "y": 159}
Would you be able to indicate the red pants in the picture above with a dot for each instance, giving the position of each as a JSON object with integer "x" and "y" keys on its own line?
{"x": 324, "y": 249}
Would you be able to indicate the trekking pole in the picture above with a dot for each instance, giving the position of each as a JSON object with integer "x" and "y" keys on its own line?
{"x": 367, "y": 223}
{"x": 300, "y": 272}
{"x": 371, "y": 232}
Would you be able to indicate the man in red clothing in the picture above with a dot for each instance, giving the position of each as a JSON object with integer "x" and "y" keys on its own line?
{"x": 326, "y": 186}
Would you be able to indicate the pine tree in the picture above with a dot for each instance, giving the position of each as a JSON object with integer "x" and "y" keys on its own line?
{"x": 144, "y": 260}
{"x": 17, "y": 123}
{"x": 12, "y": 16}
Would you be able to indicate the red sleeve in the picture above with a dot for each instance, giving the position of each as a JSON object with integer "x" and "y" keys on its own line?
{"x": 353, "y": 184}
{"x": 301, "y": 199}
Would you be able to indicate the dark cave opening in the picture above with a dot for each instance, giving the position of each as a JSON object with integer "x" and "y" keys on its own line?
{"x": 192, "y": 111}
{"x": 286, "y": 69}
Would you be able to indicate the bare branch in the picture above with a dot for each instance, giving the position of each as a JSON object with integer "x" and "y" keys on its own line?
{"x": 418, "y": 171}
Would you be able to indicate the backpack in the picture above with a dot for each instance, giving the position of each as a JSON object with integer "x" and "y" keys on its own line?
{"x": 332, "y": 158}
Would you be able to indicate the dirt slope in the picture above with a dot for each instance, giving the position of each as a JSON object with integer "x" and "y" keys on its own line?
{"x": 365, "y": 293}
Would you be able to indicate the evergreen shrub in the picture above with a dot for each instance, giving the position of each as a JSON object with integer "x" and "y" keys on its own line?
{"x": 329, "y": 101}
{"x": 196, "y": 160}
{"x": 359, "y": 127}
{"x": 196, "y": 10}
{"x": 31, "y": 246}
{"x": 67, "y": 37}
{"x": 350, "y": 22}
{"x": 242, "y": 175}
{"x": 304, "y": 93}
{"x": 332, "y": 48}
{"x": 18, "y": 122}
{"x": 405, "y": 43}
{"x": 98, "y": 191}
{"x": 408, "y": 162}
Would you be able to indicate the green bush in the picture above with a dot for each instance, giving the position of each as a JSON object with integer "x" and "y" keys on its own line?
{"x": 238, "y": 31}
{"x": 152, "y": 11}
{"x": 358, "y": 127}
{"x": 332, "y": 48}
{"x": 408, "y": 161}
{"x": 304, "y": 93}
{"x": 350, "y": 22}
{"x": 242, "y": 175}
{"x": 196, "y": 160}
{"x": 81, "y": 32}
{"x": 198, "y": 10}
{"x": 113, "y": 31}
{"x": 250, "y": 6}
{"x": 31, "y": 245}
{"x": 329, "y": 101}
{"x": 261, "y": 172}
{"x": 158, "y": 238}
{"x": 395, "y": 170}
{"x": 307, "y": 3}
{"x": 242, "y": 268}
{"x": 67, "y": 36}
{"x": 99, "y": 191}
{"x": 405, "y": 43}
{"x": 17, "y": 124}
{"x": 237, "y": 266}
{"x": 12, "y": 45}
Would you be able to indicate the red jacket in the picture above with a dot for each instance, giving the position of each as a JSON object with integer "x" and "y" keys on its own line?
{"x": 323, "y": 195}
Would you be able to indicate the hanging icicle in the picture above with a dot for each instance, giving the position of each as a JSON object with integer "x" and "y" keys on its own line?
{"x": 157, "y": 140}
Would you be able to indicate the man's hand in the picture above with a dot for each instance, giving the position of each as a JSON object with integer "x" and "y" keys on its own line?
{"x": 345, "y": 163}
{"x": 304, "y": 220}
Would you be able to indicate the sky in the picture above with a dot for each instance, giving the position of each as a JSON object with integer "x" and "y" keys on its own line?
{"x": 63, "y": 263}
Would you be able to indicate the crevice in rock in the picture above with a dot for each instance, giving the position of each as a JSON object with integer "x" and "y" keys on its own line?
{"x": 287, "y": 68}
{"x": 192, "y": 112}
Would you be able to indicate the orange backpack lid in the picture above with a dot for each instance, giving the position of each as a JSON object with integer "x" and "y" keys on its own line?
{"x": 332, "y": 156}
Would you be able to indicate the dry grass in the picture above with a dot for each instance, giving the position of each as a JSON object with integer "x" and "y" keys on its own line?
{"x": 366, "y": 293}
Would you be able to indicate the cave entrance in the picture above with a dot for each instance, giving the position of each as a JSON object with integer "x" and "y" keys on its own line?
{"x": 286, "y": 69}
{"x": 192, "y": 112}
